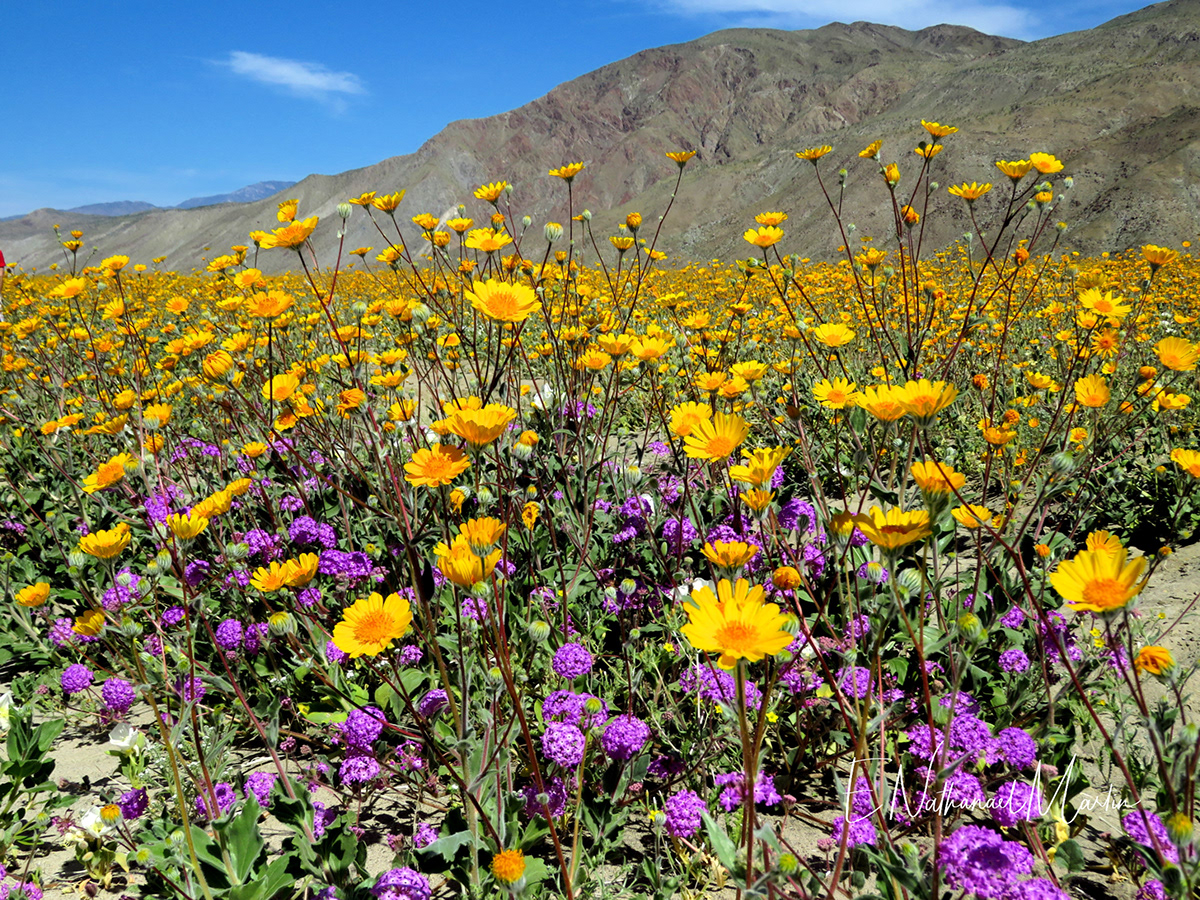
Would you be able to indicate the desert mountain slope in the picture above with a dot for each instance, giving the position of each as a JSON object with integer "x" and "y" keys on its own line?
{"x": 1120, "y": 104}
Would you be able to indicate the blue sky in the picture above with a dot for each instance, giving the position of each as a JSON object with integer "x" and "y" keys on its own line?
{"x": 161, "y": 101}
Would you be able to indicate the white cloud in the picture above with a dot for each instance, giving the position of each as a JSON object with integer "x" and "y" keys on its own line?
{"x": 990, "y": 18}
{"x": 303, "y": 79}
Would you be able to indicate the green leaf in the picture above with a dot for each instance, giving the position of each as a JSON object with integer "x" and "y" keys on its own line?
{"x": 1069, "y": 856}
{"x": 722, "y": 844}
{"x": 447, "y": 847}
{"x": 243, "y": 839}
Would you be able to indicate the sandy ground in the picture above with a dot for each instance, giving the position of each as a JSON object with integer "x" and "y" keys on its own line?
{"x": 84, "y": 767}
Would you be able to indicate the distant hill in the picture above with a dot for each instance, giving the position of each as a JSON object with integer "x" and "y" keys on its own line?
{"x": 115, "y": 208}
{"x": 1116, "y": 103}
{"x": 248, "y": 194}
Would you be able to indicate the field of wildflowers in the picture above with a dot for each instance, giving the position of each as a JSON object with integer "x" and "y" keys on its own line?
{"x": 559, "y": 568}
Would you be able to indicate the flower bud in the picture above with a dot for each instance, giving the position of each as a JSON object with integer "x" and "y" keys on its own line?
{"x": 237, "y": 552}
{"x": 628, "y": 586}
{"x": 358, "y": 310}
{"x": 526, "y": 221}
{"x": 586, "y": 215}
{"x": 552, "y": 232}
{"x": 593, "y": 705}
{"x": 971, "y": 628}
{"x": 910, "y": 580}
{"x": 77, "y": 558}
{"x": 1062, "y": 464}
{"x": 1179, "y": 829}
{"x": 538, "y": 631}
{"x": 282, "y": 623}
{"x": 343, "y": 210}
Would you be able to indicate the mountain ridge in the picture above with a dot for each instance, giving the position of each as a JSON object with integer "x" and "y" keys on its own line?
{"x": 248, "y": 194}
{"x": 1120, "y": 104}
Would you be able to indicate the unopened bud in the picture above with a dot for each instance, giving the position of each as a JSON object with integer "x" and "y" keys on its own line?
{"x": 282, "y": 623}
{"x": 553, "y": 232}
{"x": 343, "y": 210}
{"x": 971, "y": 628}
{"x": 1179, "y": 829}
{"x": 1062, "y": 464}
{"x": 538, "y": 631}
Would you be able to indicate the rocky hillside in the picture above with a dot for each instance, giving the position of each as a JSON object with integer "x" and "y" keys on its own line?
{"x": 1120, "y": 104}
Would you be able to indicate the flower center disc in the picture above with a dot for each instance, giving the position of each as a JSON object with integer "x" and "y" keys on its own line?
{"x": 373, "y": 628}
{"x": 1105, "y": 593}
{"x": 736, "y": 637}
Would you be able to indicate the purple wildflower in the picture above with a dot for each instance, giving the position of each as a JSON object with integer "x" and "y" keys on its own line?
{"x": 1016, "y": 801}
{"x": 978, "y": 860}
{"x": 1014, "y": 660}
{"x": 1044, "y": 889}
{"x": 1147, "y": 829}
{"x": 684, "y": 811}
{"x": 625, "y": 737}
{"x": 572, "y": 661}
{"x": 133, "y": 804}
{"x": 732, "y": 797}
{"x": 334, "y": 654}
{"x": 358, "y": 769}
{"x": 564, "y": 744}
{"x": 225, "y": 798}
{"x": 402, "y": 884}
{"x": 433, "y": 703}
{"x": 1014, "y": 618}
{"x": 1015, "y": 747}
{"x": 411, "y": 654}
{"x": 362, "y": 727}
{"x": 76, "y": 678}
{"x": 862, "y": 831}
{"x": 196, "y": 572}
{"x": 260, "y": 785}
{"x": 118, "y": 695}
{"x": 555, "y": 798}
{"x": 855, "y": 681}
{"x": 229, "y": 635}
